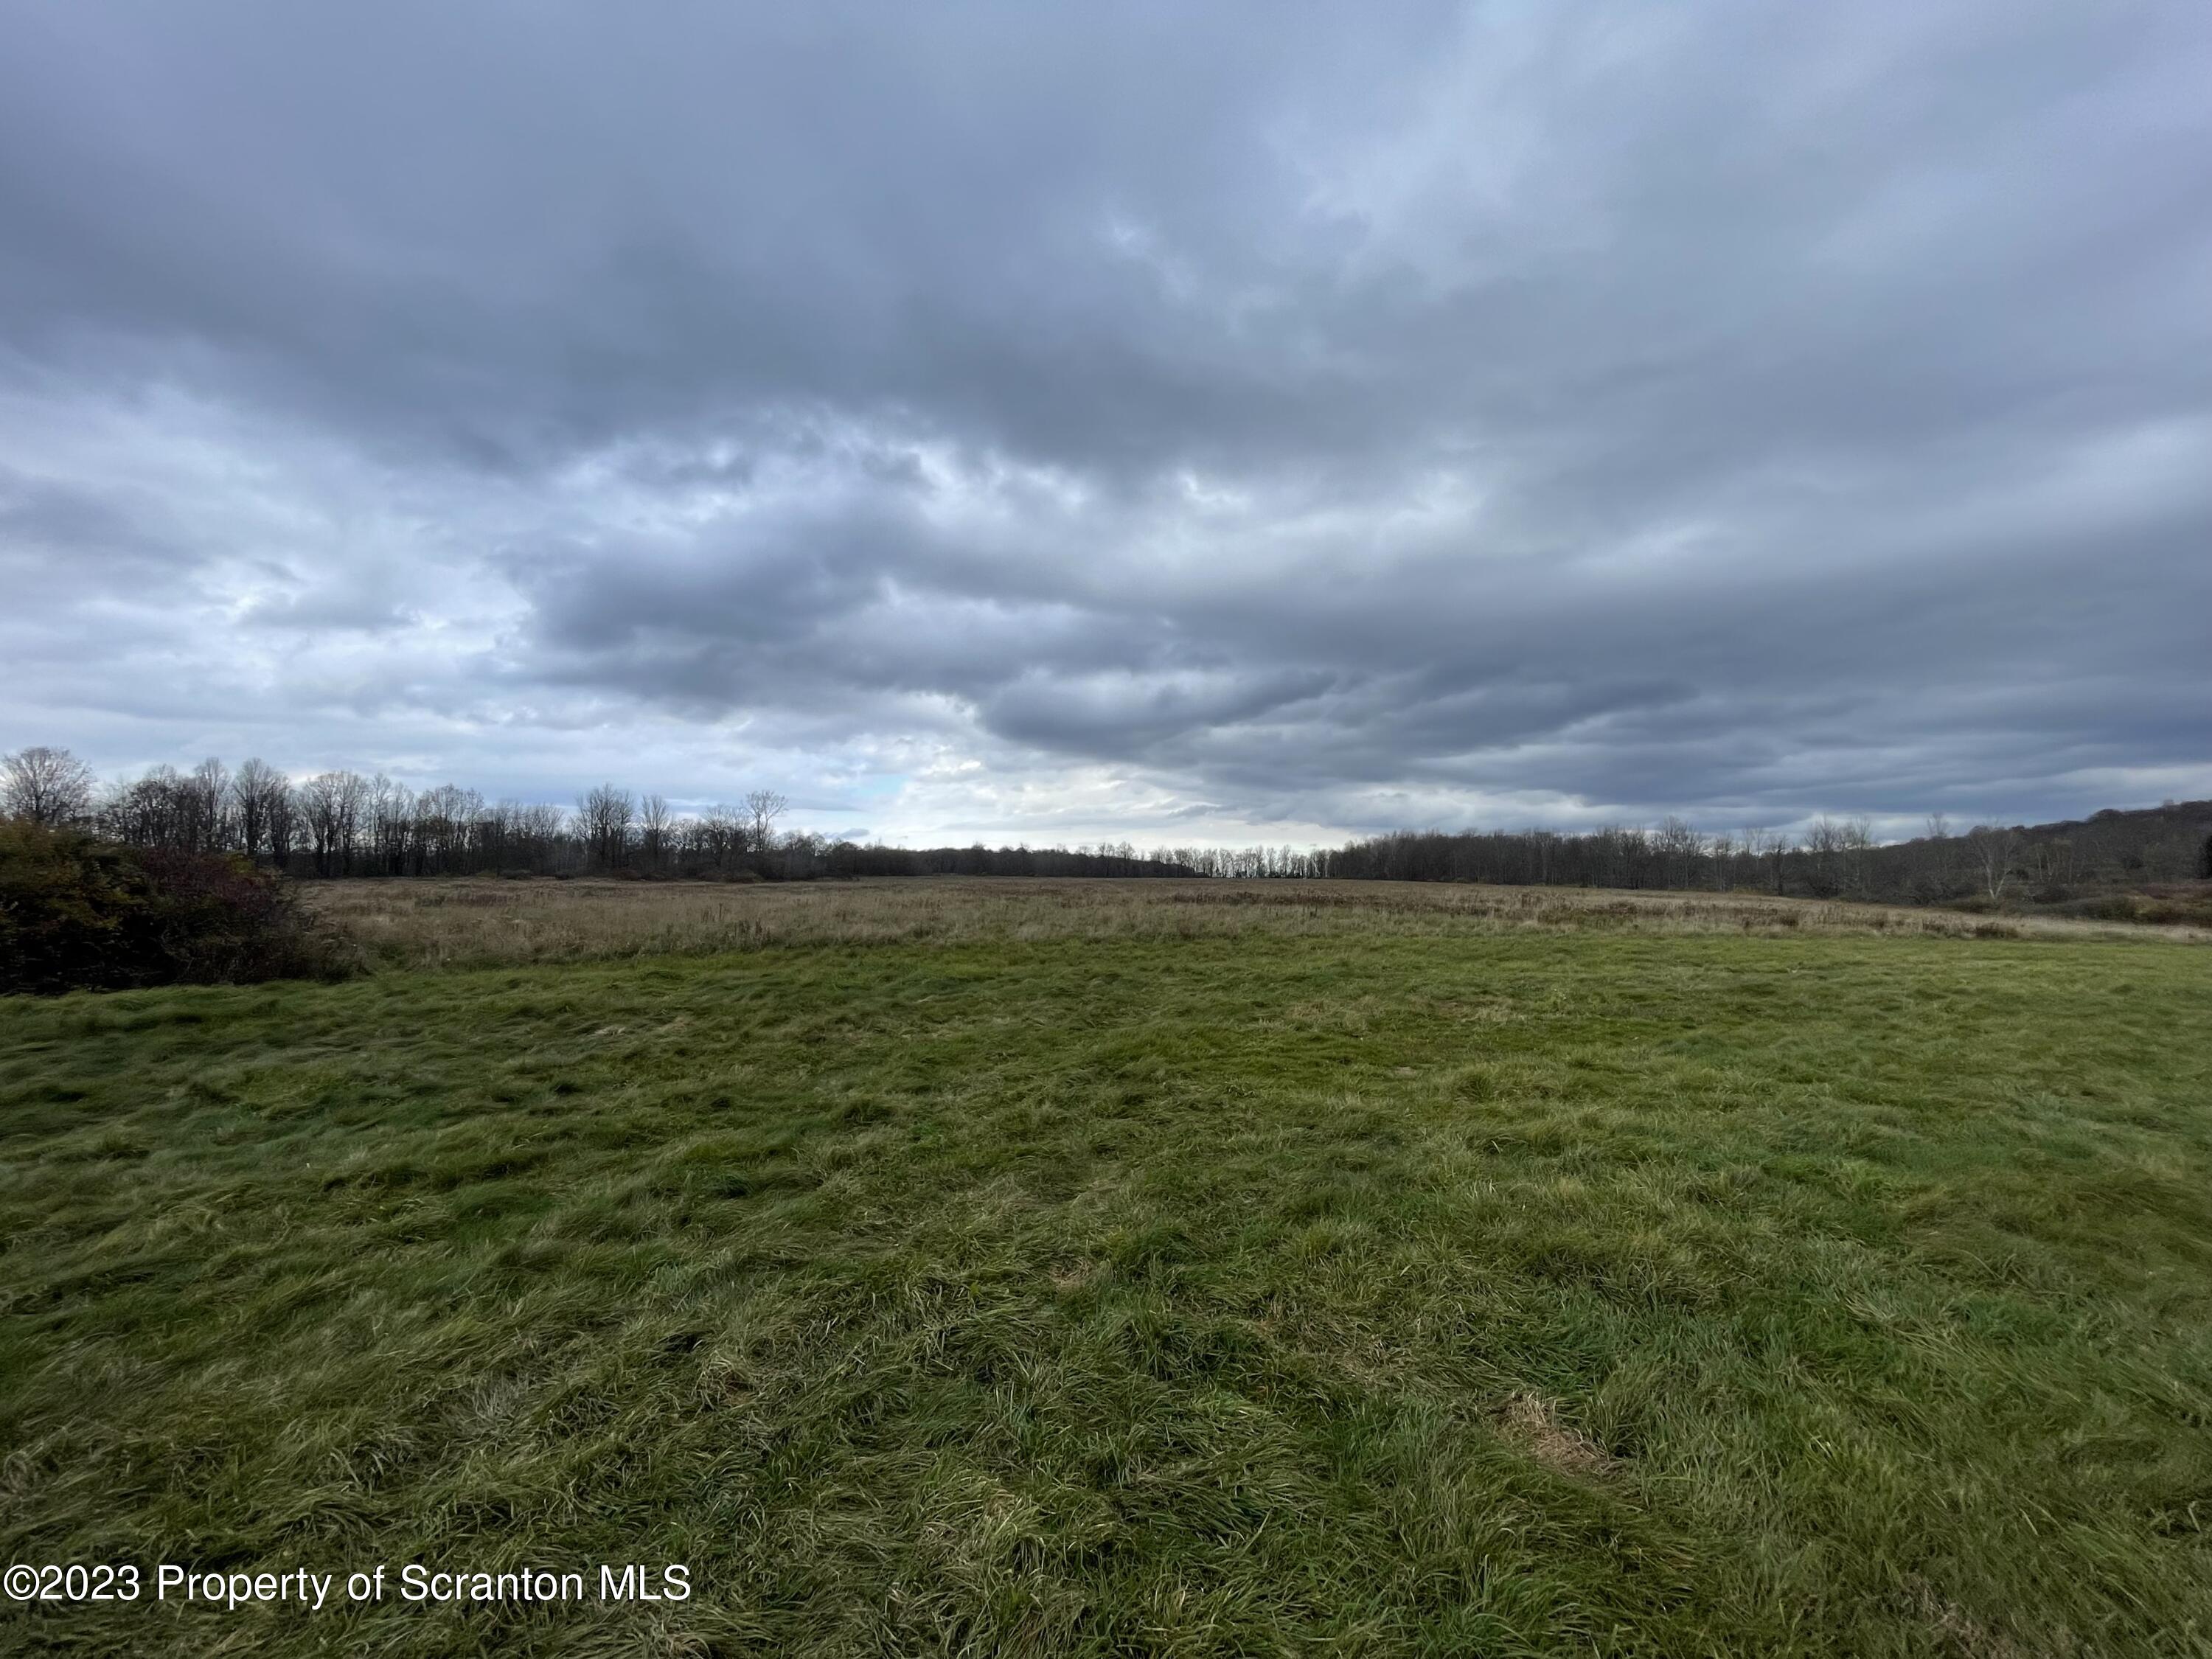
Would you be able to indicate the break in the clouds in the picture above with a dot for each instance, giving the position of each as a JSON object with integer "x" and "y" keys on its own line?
{"x": 1175, "y": 422}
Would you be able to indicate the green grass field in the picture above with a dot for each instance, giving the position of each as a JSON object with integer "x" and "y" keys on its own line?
{"x": 1525, "y": 1291}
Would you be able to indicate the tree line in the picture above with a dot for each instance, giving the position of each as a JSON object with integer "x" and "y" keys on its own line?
{"x": 1830, "y": 857}
{"x": 341, "y": 824}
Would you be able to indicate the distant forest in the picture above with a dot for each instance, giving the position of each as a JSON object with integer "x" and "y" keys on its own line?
{"x": 341, "y": 823}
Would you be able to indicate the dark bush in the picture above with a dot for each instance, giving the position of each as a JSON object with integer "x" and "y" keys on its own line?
{"x": 2103, "y": 907}
{"x": 77, "y": 913}
{"x": 2178, "y": 901}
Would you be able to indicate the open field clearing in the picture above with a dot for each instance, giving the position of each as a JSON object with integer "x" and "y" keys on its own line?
{"x": 481, "y": 922}
{"x": 1083, "y": 1268}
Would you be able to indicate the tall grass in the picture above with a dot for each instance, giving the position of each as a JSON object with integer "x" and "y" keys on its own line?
{"x": 481, "y": 922}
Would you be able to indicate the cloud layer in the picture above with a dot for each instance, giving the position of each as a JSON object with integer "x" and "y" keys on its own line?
{"x": 1174, "y": 423}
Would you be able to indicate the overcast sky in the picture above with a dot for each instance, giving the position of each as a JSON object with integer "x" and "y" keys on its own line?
{"x": 1184, "y": 423}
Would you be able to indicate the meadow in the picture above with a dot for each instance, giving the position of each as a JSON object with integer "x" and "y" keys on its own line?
{"x": 1155, "y": 1268}
{"x": 477, "y": 922}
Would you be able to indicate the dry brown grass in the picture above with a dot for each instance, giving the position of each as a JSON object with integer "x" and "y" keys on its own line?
{"x": 1533, "y": 1423}
{"x": 485, "y": 921}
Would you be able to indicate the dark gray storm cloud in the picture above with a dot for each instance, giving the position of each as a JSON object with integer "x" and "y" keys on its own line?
{"x": 1041, "y": 419}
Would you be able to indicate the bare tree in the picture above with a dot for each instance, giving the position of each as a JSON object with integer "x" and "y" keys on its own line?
{"x": 653, "y": 823}
{"x": 721, "y": 834}
{"x": 1753, "y": 843}
{"x": 391, "y": 825}
{"x": 253, "y": 791}
{"x": 1542, "y": 842}
{"x": 331, "y": 805}
{"x": 1679, "y": 848}
{"x": 765, "y": 806}
{"x": 282, "y": 808}
{"x": 1858, "y": 843}
{"x": 542, "y": 827}
{"x": 447, "y": 829}
{"x": 1991, "y": 849}
{"x": 207, "y": 806}
{"x": 319, "y": 818}
{"x": 2051, "y": 859}
{"x": 1774, "y": 846}
{"x": 1824, "y": 846}
{"x": 46, "y": 785}
{"x": 143, "y": 811}
{"x": 603, "y": 817}
{"x": 1933, "y": 858}
{"x": 1721, "y": 849}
